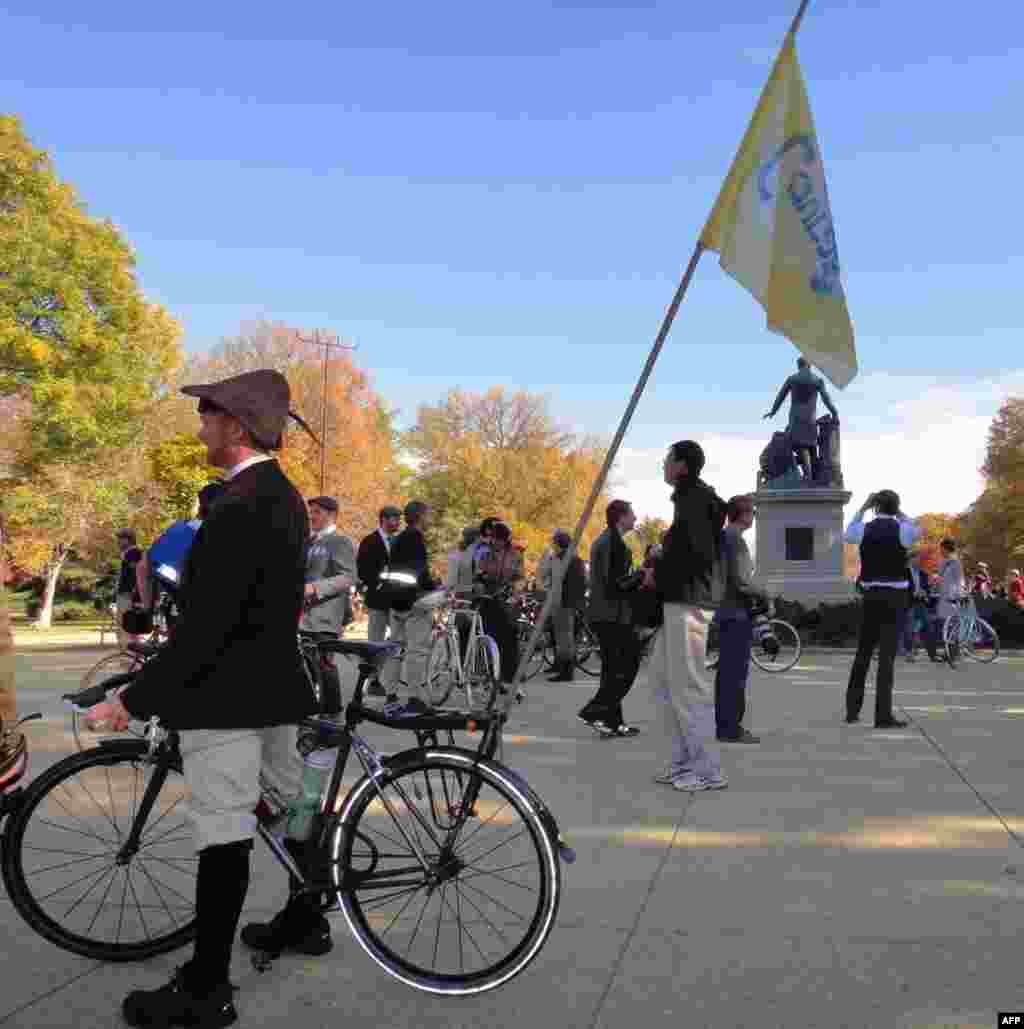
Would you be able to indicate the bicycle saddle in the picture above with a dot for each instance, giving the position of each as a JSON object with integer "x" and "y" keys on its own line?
{"x": 364, "y": 650}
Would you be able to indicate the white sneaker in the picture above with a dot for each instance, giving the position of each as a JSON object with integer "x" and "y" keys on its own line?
{"x": 714, "y": 782}
{"x": 689, "y": 783}
{"x": 667, "y": 777}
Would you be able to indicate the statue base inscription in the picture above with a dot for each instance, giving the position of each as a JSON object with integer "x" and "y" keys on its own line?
{"x": 799, "y": 541}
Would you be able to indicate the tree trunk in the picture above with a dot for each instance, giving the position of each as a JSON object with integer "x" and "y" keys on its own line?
{"x": 7, "y": 696}
{"x": 53, "y": 570}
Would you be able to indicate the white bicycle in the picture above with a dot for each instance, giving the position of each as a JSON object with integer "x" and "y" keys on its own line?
{"x": 466, "y": 661}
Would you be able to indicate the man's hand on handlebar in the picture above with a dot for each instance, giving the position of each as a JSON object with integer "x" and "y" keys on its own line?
{"x": 111, "y": 713}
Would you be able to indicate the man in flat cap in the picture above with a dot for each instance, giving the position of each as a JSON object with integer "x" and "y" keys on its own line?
{"x": 231, "y": 680}
{"x": 330, "y": 576}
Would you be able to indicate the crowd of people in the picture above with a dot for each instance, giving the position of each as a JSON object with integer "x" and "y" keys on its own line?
{"x": 259, "y": 559}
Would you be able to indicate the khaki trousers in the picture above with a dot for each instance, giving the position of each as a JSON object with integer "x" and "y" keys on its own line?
{"x": 413, "y": 628}
{"x": 377, "y": 625}
{"x": 222, "y": 772}
{"x": 685, "y": 691}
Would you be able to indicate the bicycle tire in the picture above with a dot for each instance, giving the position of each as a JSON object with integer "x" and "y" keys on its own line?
{"x": 482, "y": 673}
{"x": 951, "y": 629}
{"x": 987, "y": 655}
{"x": 441, "y": 665}
{"x": 119, "y": 663}
{"x": 588, "y": 652}
{"x": 524, "y": 630}
{"x": 790, "y": 648}
{"x": 28, "y": 827}
{"x": 428, "y": 788}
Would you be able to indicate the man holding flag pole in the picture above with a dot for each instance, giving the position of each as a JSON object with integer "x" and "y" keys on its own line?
{"x": 773, "y": 230}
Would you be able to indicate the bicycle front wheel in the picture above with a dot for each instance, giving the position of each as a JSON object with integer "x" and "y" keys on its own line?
{"x": 982, "y": 643}
{"x": 113, "y": 664}
{"x": 952, "y": 631}
{"x": 484, "y": 668}
{"x": 779, "y": 650}
{"x": 539, "y": 658}
{"x": 447, "y": 873}
{"x": 442, "y": 669}
{"x": 65, "y": 868}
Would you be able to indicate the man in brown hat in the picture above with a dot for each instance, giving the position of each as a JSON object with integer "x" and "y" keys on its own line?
{"x": 231, "y": 680}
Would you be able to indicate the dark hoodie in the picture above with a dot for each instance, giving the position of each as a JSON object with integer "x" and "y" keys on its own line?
{"x": 689, "y": 570}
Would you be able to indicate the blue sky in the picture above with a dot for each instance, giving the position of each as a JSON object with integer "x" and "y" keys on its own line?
{"x": 507, "y": 194}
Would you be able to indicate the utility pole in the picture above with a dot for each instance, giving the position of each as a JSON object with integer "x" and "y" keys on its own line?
{"x": 327, "y": 341}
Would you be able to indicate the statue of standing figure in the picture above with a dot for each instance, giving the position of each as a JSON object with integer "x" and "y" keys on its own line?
{"x": 803, "y": 388}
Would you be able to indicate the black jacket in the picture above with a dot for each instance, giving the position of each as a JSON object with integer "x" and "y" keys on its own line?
{"x": 233, "y": 662}
{"x": 409, "y": 554}
{"x": 371, "y": 560}
{"x": 610, "y": 561}
{"x": 690, "y": 569}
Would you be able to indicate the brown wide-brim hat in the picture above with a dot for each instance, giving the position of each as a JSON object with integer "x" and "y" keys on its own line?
{"x": 260, "y": 400}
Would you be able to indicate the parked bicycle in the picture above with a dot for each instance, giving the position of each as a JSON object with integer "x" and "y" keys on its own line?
{"x": 587, "y": 656}
{"x": 776, "y": 645}
{"x": 472, "y": 668}
{"x": 966, "y": 634}
{"x": 445, "y": 863}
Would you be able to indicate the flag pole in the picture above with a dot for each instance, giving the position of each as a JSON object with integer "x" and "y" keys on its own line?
{"x": 613, "y": 449}
{"x": 799, "y": 17}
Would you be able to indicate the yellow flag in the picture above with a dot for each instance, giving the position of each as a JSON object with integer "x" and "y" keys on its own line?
{"x": 772, "y": 226}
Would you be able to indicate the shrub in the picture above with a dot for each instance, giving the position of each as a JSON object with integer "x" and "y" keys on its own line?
{"x": 74, "y": 611}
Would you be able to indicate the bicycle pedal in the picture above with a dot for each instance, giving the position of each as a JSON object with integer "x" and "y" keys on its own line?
{"x": 263, "y": 960}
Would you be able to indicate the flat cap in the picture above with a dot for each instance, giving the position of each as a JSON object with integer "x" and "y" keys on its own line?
{"x": 324, "y": 503}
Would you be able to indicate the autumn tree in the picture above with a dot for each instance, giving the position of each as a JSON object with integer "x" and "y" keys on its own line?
{"x": 993, "y": 527}
{"x": 935, "y": 527}
{"x": 502, "y": 454}
{"x": 82, "y": 349}
{"x": 362, "y": 468}
{"x": 648, "y": 531}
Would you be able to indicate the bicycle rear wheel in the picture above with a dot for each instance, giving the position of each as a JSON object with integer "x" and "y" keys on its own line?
{"x": 952, "y": 631}
{"x": 783, "y": 653}
{"x": 588, "y": 650}
{"x": 113, "y": 664}
{"x": 539, "y": 658}
{"x": 62, "y": 862}
{"x": 983, "y": 642}
{"x": 441, "y": 669}
{"x": 483, "y": 907}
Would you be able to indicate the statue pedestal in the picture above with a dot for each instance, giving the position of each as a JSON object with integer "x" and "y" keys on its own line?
{"x": 799, "y": 540}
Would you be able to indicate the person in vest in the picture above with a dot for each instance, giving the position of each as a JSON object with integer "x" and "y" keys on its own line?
{"x": 330, "y": 575}
{"x": 231, "y": 681}
{"x": 884, "y": 543}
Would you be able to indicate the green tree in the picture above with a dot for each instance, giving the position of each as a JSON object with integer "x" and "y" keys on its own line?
{"x": 84, "y": 351}
{"x": 179, "y": 470}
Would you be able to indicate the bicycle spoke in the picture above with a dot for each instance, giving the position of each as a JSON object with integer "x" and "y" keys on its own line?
{"x": 138, "y": 906}
{"x": 177, "y": 801}
{"x": 74, "y": 882}
{"x": 494, "y": 874}
{"x": 494, "y": 900}
{"x": 71, "y": 814}
{"x": 484, "y": 823}
{"x": 458, "y": 917}
{"x": 419, "y": 922}
{"x": 160, "y": 896}
{"x": 68, "y": 864}
{"x": 103, "y": 899}
{"x": 472, "y": 938}
{"x": 482, "y": 854}
{"x": 124, "y": 895}
{"x": 440, "y": 920}
{"x": 187, "y": 900}
{"x": 99, "y": 807}
{"x": 380, "y": 901}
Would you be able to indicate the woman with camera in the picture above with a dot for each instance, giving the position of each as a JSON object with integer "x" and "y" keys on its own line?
{"x": 610, "y": 615}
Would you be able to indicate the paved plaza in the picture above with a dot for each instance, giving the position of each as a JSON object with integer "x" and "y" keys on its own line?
{"x": 847, "y": 877}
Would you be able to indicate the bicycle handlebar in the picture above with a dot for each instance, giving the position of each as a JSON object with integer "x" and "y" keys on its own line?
{"x": 97, "y": 694}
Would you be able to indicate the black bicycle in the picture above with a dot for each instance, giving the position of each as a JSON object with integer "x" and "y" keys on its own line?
{"x": 445, "y": 863}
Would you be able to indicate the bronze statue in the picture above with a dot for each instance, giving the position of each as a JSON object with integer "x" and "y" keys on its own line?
{"x": 803, "y": 388}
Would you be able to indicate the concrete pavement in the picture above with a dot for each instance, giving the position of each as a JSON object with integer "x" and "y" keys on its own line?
{"x": 846, "y": 878}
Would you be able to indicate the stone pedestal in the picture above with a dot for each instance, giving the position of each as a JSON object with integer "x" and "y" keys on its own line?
{"x": 799, "y": 539}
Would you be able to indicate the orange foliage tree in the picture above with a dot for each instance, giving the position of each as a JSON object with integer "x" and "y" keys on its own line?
{"x": 501, "y": 453}
{"x": 362, "y": 469}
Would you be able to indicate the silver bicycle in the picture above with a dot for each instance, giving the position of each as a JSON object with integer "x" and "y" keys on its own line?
{"x": 467, "y": 662}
